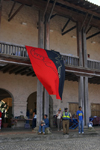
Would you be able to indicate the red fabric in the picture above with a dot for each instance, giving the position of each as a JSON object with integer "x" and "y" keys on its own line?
{"x": 44, "y": 69}
{"x": 0, "y": 114}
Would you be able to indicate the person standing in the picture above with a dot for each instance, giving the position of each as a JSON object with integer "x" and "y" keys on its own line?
{"x": 66, "y": 118}
{"x": 80, "y": 117}
{"x": 34, "y": 120}
{"x": 59, "y": 116}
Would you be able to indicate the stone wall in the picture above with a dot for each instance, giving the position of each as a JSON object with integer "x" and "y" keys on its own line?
{"x": 17, "y": 32}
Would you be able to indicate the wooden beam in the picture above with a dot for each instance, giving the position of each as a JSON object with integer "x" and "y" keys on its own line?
{"x": 53, "y": 16}
{"x": 12, "y": 9}
{"x": 18, "y": 61}
{"x": 69, "y": 30}
{"x": 84, "y": 21}
{"x": 93, "y": 35}
{"x": 23, "y": 73}
{"x": 16, "y": 12}
{"x": 52, "y": 10}
{"x": 46, "y": 8}
{"x": 11, "y": 68}
{"x": 12, "y": 71}
{"x": 68, "y": 13}
{"x": 6, "y": 68}
{"x": 18, "y": 69}
{"x": 78, "y": 8}
{"x": 65, "y": 25}
{"x": 89, "y": 22}
{"x": 88, "y": 29}
{"x": 21, "y": 70}
{"x": 30, "y": 73}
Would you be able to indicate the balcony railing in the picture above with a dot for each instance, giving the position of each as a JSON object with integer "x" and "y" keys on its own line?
{"x": 13, "y": 49}
{"x": 20, "y": 51}
{"x": 93, "y": 64}
{"x": 71, "y": 60}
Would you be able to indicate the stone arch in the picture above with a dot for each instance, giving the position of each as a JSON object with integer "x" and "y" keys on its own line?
{"x": 31, "y": 103}
{"x": 31, "y": 106}
{"x": 8, "y": 98}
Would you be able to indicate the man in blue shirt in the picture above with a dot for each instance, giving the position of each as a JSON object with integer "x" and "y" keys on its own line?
{"x": 80, "y": 117}
{"x": 44, "y": 124}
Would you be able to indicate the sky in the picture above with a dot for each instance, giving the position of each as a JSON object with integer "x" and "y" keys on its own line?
{"x": 97, "y": 2}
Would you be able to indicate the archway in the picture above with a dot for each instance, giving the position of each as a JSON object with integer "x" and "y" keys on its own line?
{"x": 31, "y": 106}
{"x": 6, "y": 106}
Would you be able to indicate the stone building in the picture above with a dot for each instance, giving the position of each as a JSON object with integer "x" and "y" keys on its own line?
{"x": 71, "y": 28}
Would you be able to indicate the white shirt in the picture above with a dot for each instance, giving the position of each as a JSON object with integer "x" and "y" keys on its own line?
{"x": 59, "y": 115}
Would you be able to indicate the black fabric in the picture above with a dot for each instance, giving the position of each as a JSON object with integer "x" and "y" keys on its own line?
{"x": 59, "y": 63}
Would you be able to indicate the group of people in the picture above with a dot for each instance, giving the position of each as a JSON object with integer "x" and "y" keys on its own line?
{"x": 63, "y": 119}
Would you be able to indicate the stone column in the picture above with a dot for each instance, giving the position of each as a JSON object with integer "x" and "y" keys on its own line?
{"x": 81, "y": 92}
{"x": 83, "y": 81}
{"x": 46, "y": 46}
{"x": 79, "y": 44}
{"x": 86, "y": 103}
{"x": 39, "y": 85}
{"x": 86, "y": 106}
{"x": 84, "y": 48}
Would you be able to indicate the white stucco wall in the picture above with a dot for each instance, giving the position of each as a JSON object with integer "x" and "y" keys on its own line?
{"x": 20, "y": 87}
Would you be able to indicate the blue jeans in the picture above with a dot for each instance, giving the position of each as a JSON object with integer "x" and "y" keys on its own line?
{"x": 42, "y": 128}
{"x": 80, "y": 126}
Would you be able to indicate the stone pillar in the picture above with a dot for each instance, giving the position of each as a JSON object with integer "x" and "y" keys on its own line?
{"x": 83, "y": 81}
{"x": 86, "y": 103}
{"x": 39, "y": 85}
{"x": 39, "y": 102}
{"x": 46, "y": 46}
{"x": 84, "y": 48}
{"x": 79, "y": 44}
{"x": 86, "y": 106}
{"x": 81, "y": 92}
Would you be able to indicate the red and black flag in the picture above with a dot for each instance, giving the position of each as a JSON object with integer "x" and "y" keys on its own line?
{"x": 49, "y": 69}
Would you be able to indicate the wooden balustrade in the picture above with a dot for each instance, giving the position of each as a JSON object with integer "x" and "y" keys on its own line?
{"x": 93, "y": 64}
{"x": 12, "y": 49}
{"x": 20, "y": 51}
{"x": 71, "y": 60}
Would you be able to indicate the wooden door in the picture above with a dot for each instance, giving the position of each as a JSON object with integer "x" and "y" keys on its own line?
{"x": 95, "y": 109}
{"x": 73, "y": 107}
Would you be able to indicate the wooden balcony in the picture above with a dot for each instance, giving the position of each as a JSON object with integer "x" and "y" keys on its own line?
{"x": 14, "y": 59}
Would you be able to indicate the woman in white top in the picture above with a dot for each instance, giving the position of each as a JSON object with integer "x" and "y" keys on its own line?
{"x": 59, "y": 115}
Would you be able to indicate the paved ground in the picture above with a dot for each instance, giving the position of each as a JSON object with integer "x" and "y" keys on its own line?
{"x": 28, "y": 140}
{"x": 91, "y": 143}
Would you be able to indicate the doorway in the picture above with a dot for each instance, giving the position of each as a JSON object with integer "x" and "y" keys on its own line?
{"x": 6, "y": 106}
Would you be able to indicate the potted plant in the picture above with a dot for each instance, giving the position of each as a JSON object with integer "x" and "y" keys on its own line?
{"x": 4, "y": 110}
